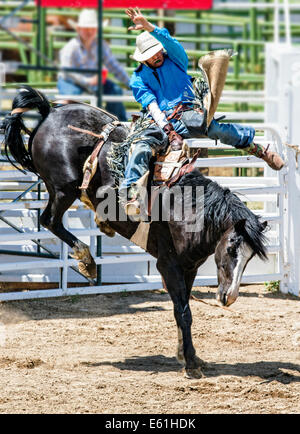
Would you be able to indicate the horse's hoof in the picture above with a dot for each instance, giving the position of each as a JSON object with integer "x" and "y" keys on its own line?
{"x": 106, "y": 229}
{"x": 200, "y": 362}
{"x": 88, "y": 270}
{"x": 110, "y": 233}
{"x": 194, "y": 373}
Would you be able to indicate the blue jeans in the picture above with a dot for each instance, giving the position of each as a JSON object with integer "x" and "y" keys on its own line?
{"x": 137, "y": 165}
{"x": 66, "y": 87}
{"x": 238, "y": 136}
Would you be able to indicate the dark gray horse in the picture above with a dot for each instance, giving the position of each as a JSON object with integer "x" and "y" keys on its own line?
{"x": 57, "y": 154}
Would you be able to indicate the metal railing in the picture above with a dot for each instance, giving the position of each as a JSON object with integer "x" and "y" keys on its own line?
{"x": 269, "y": 189}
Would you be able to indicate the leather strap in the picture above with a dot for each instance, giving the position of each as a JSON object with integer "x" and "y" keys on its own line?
{"x": 19, "y": 110}
{"x": 80, "y": 130}
{"x": 175, "y": 112}
{"x": 178, "y": 111}
{"x": 59, "y": 102}
{"x": 107, "y": 129}
{"x": 187, "y": 168}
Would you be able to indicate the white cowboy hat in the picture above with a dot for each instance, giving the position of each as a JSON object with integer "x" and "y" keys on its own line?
{"x": 87, "y": 19}
{"x": 146, "y": 47}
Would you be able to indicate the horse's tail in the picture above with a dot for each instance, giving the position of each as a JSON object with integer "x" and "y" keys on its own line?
{"x": 13, "y": 125}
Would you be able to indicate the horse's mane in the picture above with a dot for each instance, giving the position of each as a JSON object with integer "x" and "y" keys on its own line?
{"x": 223, "y": 209}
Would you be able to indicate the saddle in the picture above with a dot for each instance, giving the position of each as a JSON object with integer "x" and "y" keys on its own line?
{"x": 168, "y": 168}
{"x": 168, "y": 165}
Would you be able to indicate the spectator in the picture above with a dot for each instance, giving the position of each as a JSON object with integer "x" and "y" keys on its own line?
{"x": 82, "y": 52}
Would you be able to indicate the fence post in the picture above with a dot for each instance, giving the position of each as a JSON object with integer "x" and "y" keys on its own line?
{"x": 283, "y": 76}
{"x": 63, "y": 284}
{"x": 2, "y": 81}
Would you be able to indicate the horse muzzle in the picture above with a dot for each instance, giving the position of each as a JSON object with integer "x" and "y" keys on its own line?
{"x": 226, "y": 297}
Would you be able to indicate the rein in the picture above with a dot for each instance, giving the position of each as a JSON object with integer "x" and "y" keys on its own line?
{"x": 178, "y": 110}
{"x": 192, "y": 297}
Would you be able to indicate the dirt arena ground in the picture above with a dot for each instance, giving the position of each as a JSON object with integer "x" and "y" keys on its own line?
{"x": 115, "y": 354}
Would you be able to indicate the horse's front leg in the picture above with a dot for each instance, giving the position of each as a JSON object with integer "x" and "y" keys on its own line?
{"x": 189, "y": 277}
{"x": 174, "y": 280}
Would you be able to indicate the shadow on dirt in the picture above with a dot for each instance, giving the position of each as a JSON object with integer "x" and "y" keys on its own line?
{"x": 105, "y": 305}
{"x": 284, "y": 373}
{"x": 157, "y": 363}
{"x": 84, "y": 306}
{"x": 269, "y": 371}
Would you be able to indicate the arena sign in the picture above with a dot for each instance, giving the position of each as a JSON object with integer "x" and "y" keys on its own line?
{"x": 155, "y": 4}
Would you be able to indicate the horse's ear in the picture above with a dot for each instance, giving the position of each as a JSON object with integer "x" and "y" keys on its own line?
{"x": 240, "y": 225}
{"x": 264, "y": 225}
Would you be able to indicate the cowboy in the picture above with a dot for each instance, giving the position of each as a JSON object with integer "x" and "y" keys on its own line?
{"x": 82, "y": 52}
{"x": 160, "y": 84}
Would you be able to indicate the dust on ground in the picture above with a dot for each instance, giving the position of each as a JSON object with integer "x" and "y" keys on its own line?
{"x": 116, "y": 354}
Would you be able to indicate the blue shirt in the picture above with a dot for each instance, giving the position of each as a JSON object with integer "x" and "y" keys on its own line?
{"x": 172, "y": 84}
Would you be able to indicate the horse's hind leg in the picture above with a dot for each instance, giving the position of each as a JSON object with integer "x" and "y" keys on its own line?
{"x": 51, "y": 218}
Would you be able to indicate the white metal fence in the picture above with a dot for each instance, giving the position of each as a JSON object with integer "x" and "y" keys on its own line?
{"x": 122, "y": 261}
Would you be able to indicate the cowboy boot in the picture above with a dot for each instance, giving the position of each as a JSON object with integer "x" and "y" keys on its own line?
{"x": 270, "y": 157}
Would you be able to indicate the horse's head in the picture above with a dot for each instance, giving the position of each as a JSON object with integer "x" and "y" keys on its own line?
{"x": 233, "y": 252}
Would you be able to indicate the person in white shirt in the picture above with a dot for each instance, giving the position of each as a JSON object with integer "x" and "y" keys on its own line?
{"x": 82, "y": 52}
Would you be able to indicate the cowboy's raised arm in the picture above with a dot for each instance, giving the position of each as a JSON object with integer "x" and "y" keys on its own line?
{"x": 140, "y": 22}
{"x": 174, "y": 49}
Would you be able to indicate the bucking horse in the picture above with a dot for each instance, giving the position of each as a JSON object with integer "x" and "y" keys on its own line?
{"x": 57, "y": 153}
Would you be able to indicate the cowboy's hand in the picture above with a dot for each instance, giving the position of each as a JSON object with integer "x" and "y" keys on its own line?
{"x": 168, "y": 128}
{"x": 175, "y": 139}
{"x": 141, "y": 23}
